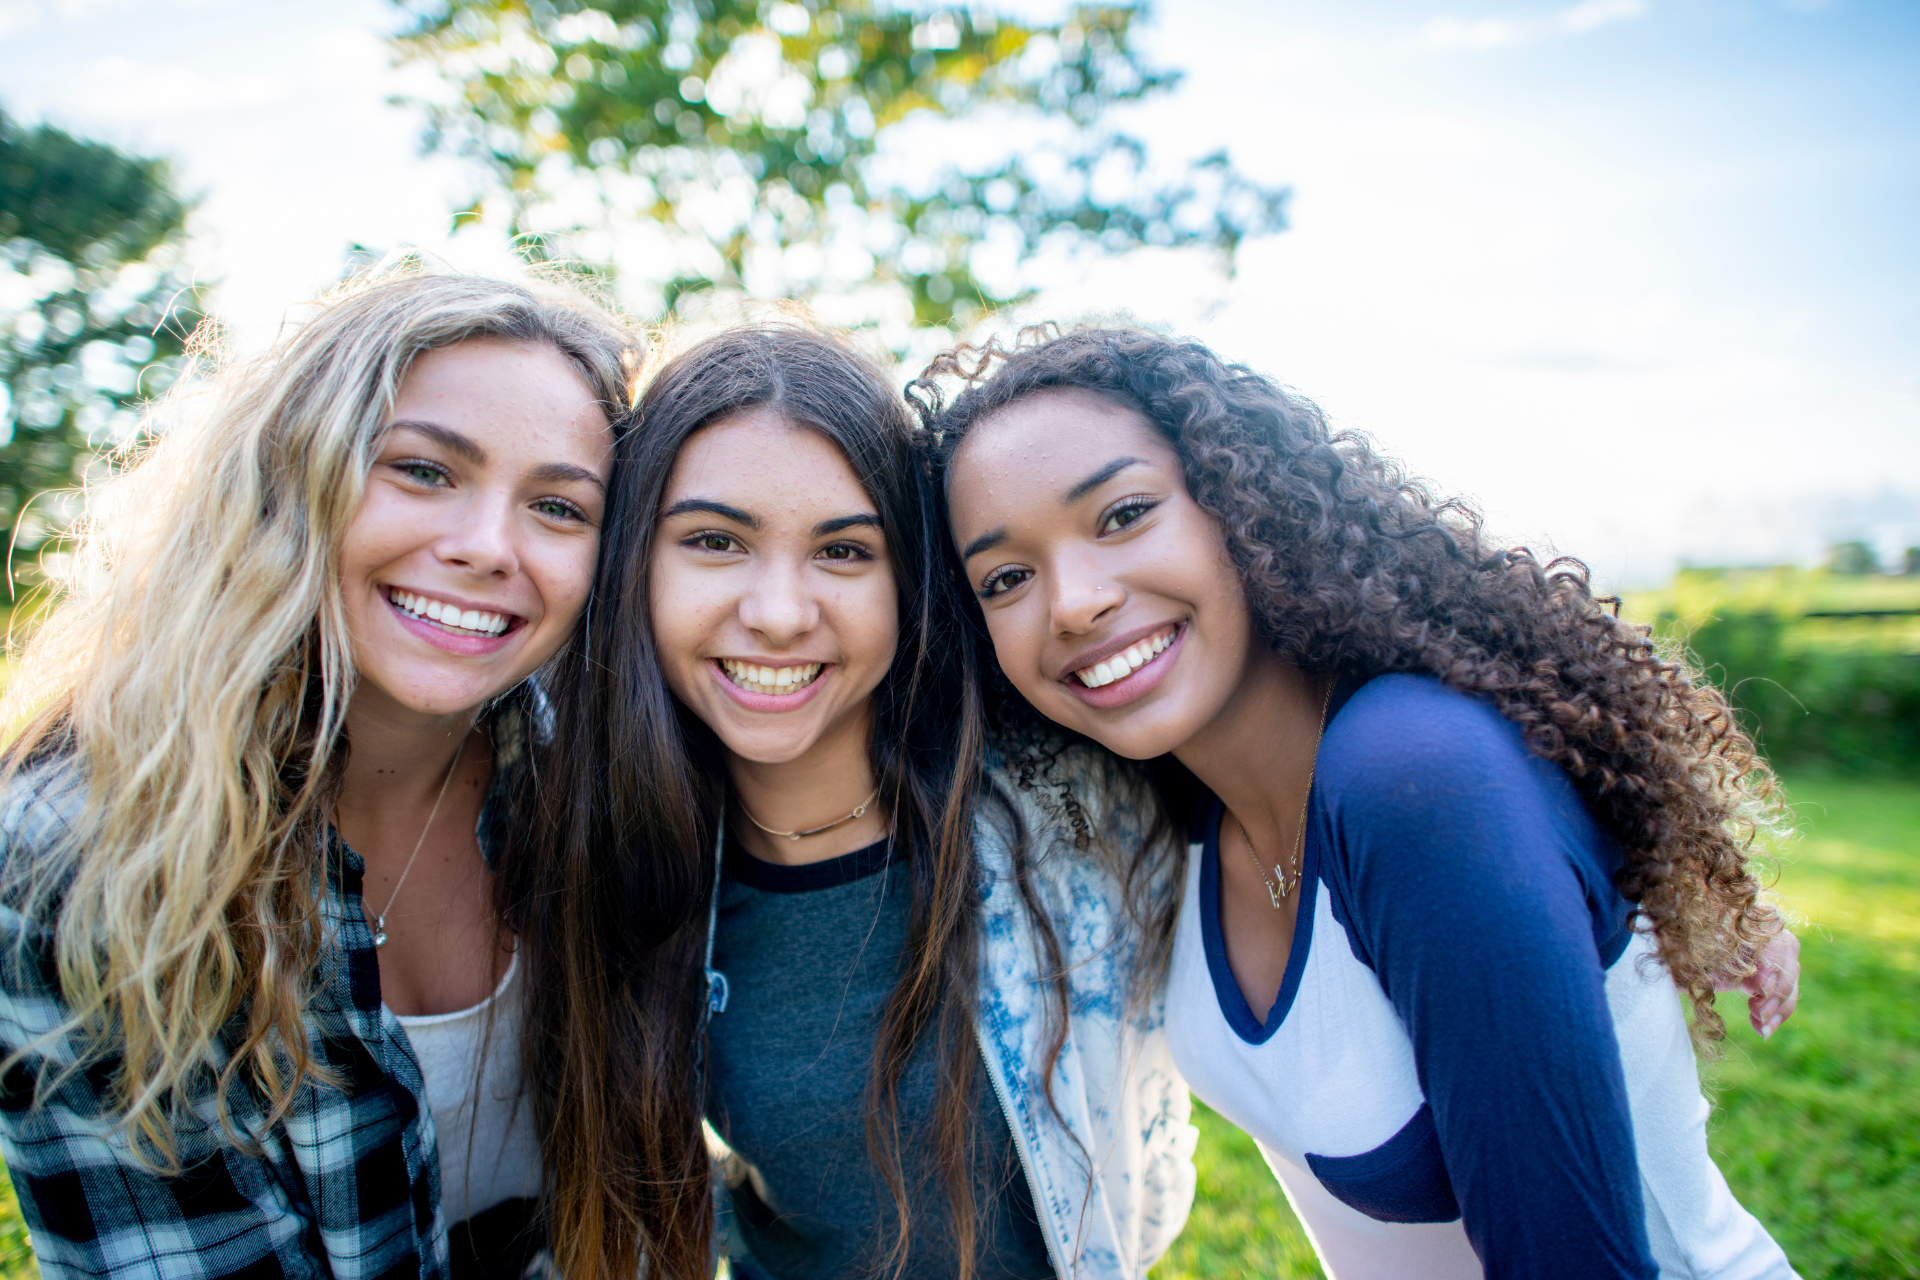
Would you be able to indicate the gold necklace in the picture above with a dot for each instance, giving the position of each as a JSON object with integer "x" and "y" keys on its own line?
{"x": 380, "y": 921}
{"x": 1277, "y": 892}
{"x": 859, "y": 812}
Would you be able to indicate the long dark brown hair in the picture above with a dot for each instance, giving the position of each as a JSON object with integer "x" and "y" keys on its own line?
{"x": 619, "y": 868}
{"x": 1351, "y": 565}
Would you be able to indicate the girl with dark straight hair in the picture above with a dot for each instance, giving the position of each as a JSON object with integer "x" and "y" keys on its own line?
{"x": 913, "y": 1073}
{"x": 1463, "y": 842}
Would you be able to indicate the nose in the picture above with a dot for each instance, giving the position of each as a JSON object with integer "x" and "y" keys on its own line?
{"x": 777, "y": 605}
{"x": 481, "y": 538}
{"x": 1082, "y": 596}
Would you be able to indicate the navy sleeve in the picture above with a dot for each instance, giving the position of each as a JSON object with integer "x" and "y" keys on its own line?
{"x": 1471, "y": 879}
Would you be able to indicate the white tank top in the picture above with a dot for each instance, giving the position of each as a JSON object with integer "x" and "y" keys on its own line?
{"x": 482, "y": 1120}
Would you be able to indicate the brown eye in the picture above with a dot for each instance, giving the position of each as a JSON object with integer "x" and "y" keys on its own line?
{"x": 1002, "y": 581}
{"x": 1124, "y": 513}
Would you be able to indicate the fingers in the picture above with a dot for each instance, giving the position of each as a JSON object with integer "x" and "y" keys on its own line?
{"x": 1774, "y": 985}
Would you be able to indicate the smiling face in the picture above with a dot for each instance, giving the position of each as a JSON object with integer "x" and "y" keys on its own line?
{"x": 1107, "y": 590}
{"x": 772, "y": 596}
{"x": 472, "y": 553}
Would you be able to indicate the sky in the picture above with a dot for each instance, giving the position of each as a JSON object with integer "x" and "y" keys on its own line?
{"x": 1640, "y": 276}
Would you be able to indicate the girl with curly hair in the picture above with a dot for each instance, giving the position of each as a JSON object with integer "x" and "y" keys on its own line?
{"x": 1458, "y": 833}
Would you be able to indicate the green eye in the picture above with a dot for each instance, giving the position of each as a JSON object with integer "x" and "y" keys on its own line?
{"x": 427, "y": 473}
{"x": 558, "y": 509}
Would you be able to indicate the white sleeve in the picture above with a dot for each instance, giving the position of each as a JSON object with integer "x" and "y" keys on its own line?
{"x": 1696, "y": 1228}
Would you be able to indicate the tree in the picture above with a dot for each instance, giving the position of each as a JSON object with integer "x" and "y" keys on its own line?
{"x": 93, "y": 313}
{"x": 1852, "y": 558}
{"x": 760, "y": 146}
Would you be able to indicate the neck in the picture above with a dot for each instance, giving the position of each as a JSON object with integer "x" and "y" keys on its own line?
{"x": 827, "y": 783}
{"x": 397, "y": 759}
{"x": 1256, "y": 754}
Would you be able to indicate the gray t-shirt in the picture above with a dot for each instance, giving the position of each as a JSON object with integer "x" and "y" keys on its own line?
{"x": 811, "y": 954}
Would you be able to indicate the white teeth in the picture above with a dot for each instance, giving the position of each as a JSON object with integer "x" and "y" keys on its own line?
{"x": 755, "y": 678}
{"x": 450, "y": 616}
{"x": 1124, "y": 663}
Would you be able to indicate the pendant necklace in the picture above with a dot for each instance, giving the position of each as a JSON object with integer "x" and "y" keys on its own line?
{"x": 1280, "y": 883}
{"x": 859, "y": 812}
{"x": 380, "y": 921}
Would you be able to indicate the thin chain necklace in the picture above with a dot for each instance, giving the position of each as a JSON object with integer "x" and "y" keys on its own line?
{"x": 380, "y": 921}
{"x": 1277, "y": 893}
{"x": 859, "y": 812}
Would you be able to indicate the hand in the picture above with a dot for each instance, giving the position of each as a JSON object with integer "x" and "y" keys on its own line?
{"x": 1773, "y": 988}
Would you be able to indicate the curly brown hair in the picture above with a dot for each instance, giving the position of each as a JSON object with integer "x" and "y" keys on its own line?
{"x": 1349, "y": 564}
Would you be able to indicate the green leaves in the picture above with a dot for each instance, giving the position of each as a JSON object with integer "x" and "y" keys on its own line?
{"x": 783, "y": 148}
{"x": 93, "y": 311}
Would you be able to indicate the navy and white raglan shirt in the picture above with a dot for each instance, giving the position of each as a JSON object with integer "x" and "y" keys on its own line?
{"x": 1475, "y": 1064}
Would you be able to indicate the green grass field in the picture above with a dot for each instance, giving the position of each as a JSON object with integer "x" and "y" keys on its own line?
{"x": 1818, "y": 1130}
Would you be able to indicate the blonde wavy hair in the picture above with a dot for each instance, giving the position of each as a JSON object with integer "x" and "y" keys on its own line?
{"x": 195, "y": 676}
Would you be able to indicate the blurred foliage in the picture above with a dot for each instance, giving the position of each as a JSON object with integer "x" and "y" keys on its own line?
{"x": 751, "y": 135}
{"x": 94, "y": 312}
{"x": 1241, "y": 1224}
{"x": 1824, "y": 666}
{"x": 1818, "y": 1129}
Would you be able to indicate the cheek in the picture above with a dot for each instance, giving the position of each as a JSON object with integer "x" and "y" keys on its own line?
{"x": 1015, "y": 639}
{"x": 675, "y": 612}
{"x": 375, "y": 537}
{"x": 566, "y": 578}
{"x": 873, "y": 620}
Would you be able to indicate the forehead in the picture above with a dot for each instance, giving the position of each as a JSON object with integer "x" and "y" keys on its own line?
{"x": 1052, "y": 439}
{"x": 513, "y": 398}
{"x": 763, "y": 455}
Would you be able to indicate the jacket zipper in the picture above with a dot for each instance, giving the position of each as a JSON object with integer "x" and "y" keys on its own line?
{"x": 1020, "y": 1148}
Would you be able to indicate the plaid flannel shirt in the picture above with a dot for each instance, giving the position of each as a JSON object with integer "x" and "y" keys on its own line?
{"x": 346, "y": 1186}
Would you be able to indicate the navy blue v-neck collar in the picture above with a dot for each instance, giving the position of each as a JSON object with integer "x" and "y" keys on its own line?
{"x": 1206, "y": 833}
{"x": 1226, "y": 989}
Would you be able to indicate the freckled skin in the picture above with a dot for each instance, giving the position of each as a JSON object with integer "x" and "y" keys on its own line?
{"x": 478, "y": 534}
{"x": 493, "y": 531}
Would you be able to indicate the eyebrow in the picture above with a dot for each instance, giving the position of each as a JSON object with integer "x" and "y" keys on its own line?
{"x": 692, "y": 506}
{"x": 1099, "y": 478}
{"x": 445, "y": 437}
{"x": 864, "y": 520}
{"x": 562, "y": 472}
{"x": 985, "y": 542}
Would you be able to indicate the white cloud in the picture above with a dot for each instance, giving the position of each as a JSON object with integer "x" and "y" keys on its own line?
{"x": 1450, "y": 32}
{"x": 126, "y": 90}
{"x": 15, "y": 14}
{"x": 1586, "y": 16}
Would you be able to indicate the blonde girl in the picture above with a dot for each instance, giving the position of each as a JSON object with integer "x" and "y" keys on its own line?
{"x": 256, "y": 1004}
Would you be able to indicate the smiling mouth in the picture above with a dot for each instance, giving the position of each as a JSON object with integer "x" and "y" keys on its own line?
{"x": 775, "y": 681}
{"x": 1127, "y": 661}
{"x": 450, "y": 618}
